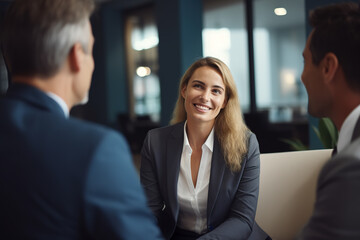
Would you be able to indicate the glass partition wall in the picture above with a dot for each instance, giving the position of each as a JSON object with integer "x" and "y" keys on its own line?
{"x": 142, "y": 64}
{"x": 262, "y": 43}
{"x": 225, "y": 37}
{"x": 279, "y": 39}
{"x": 141, "y": 39}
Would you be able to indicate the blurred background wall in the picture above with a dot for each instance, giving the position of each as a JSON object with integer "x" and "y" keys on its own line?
{"x": 143, "y": 47}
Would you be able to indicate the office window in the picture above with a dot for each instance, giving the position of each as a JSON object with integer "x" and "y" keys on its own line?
{"x": 225, "y": 37}
{"x": 279, "y": 39}
{"x": 142, "y": 64}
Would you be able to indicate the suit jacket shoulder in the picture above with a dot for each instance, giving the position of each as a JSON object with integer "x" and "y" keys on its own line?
{"x": 337, "y": 213}
{"x": 65, "y": 178}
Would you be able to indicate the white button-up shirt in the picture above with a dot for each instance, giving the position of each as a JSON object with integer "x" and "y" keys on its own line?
{"x": 347, "y": 129}
{"x": 193, "y": 200}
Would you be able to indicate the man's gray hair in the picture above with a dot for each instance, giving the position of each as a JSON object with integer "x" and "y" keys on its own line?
{"x": 39, "y": 34}
{"x": 60, "y": 39}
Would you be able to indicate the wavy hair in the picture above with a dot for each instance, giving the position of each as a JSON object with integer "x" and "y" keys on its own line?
{"x": 230, "y": 127}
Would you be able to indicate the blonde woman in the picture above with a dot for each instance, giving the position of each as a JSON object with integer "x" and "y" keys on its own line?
{"x": 201, "y": 174}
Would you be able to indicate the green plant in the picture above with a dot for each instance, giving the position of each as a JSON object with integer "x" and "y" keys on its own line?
{"x": 326, "y": 132}
{"x": 295, "y": 144}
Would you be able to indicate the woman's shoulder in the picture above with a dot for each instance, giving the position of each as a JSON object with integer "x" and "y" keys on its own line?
{"x": 251, "y": 137}
{"x": 253, "y": 144}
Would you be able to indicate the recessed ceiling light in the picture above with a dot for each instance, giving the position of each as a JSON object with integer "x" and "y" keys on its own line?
{"x": 143, "y": 71}
{"x": 280, "y": 11}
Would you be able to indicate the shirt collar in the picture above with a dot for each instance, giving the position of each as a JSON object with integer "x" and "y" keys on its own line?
{"x": 209, "y": 143}
{"x": 59, "y": 101}
{"x": 347, "y": 129}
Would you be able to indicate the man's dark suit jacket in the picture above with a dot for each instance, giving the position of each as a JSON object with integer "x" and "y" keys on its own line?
{"x": 336, "y": 213}
{"x": 64, "y": 178}
{"x": 232, "y": 197}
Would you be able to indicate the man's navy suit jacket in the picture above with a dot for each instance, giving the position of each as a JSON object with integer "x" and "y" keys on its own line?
{"x": 65, "y": 178}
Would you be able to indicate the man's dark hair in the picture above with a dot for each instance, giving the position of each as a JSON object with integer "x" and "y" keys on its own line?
{"x": 38, "y": 34}
{"x": 337, "y": 30}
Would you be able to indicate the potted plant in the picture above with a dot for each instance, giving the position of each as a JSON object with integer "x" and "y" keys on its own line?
{"x": 326, "y": 132}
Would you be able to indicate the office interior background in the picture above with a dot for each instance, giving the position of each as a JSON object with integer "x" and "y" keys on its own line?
{"x": 143, "y": 47}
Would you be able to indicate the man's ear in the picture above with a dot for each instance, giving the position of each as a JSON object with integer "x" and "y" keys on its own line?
{"x": 330, "y": 65}
{"x": 76, "y": 56}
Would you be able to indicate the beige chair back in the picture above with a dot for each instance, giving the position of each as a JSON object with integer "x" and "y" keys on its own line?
{"x": 287, "y": 190}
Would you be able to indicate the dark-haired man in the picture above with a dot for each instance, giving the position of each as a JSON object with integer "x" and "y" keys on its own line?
{"x": 60, "y": 178}
{"x": 331, "y": 76}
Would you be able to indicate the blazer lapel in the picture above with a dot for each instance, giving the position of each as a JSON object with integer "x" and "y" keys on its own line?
{"x": 216, "y": 176}
{"x": 173, "y": 156}
{"x": 356, "y": 132}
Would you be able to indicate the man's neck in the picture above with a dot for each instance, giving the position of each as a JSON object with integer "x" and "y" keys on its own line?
{"x": 343, "y": 110}
{"x": 55, "y": 85}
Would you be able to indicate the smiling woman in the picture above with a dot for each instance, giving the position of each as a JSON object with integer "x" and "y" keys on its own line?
{"x": 210, "y": 161}
{"x": 229, "y": 125}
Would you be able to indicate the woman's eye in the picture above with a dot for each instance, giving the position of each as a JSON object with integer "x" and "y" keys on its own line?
{"x": 217, "y": 91}
{"x": 197, "y": 86}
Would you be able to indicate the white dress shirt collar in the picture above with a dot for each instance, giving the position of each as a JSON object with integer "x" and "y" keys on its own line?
{"x": 59, "y": 101}
{"x": 347, "y": 129}
{"x": 209, "y": 143}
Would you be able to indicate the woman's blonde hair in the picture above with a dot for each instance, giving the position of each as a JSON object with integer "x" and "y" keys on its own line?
{"x": 230, "y": 127}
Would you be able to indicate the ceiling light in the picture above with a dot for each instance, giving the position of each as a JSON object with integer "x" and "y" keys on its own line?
{"x": 143, "y": 71}
{"x": 280, "y": 11}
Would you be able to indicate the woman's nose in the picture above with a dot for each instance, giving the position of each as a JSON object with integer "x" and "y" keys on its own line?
{"x": 205, "y": 96}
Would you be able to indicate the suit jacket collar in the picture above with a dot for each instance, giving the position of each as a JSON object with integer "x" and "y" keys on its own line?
{"x": 35, "y": 97}
{"x": 216, "y": 176}
{"x": 356, "y": 132}
{"x": 173, "y": 154}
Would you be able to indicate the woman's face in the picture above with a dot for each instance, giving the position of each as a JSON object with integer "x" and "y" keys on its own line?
{"x": 204, "y": 95}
